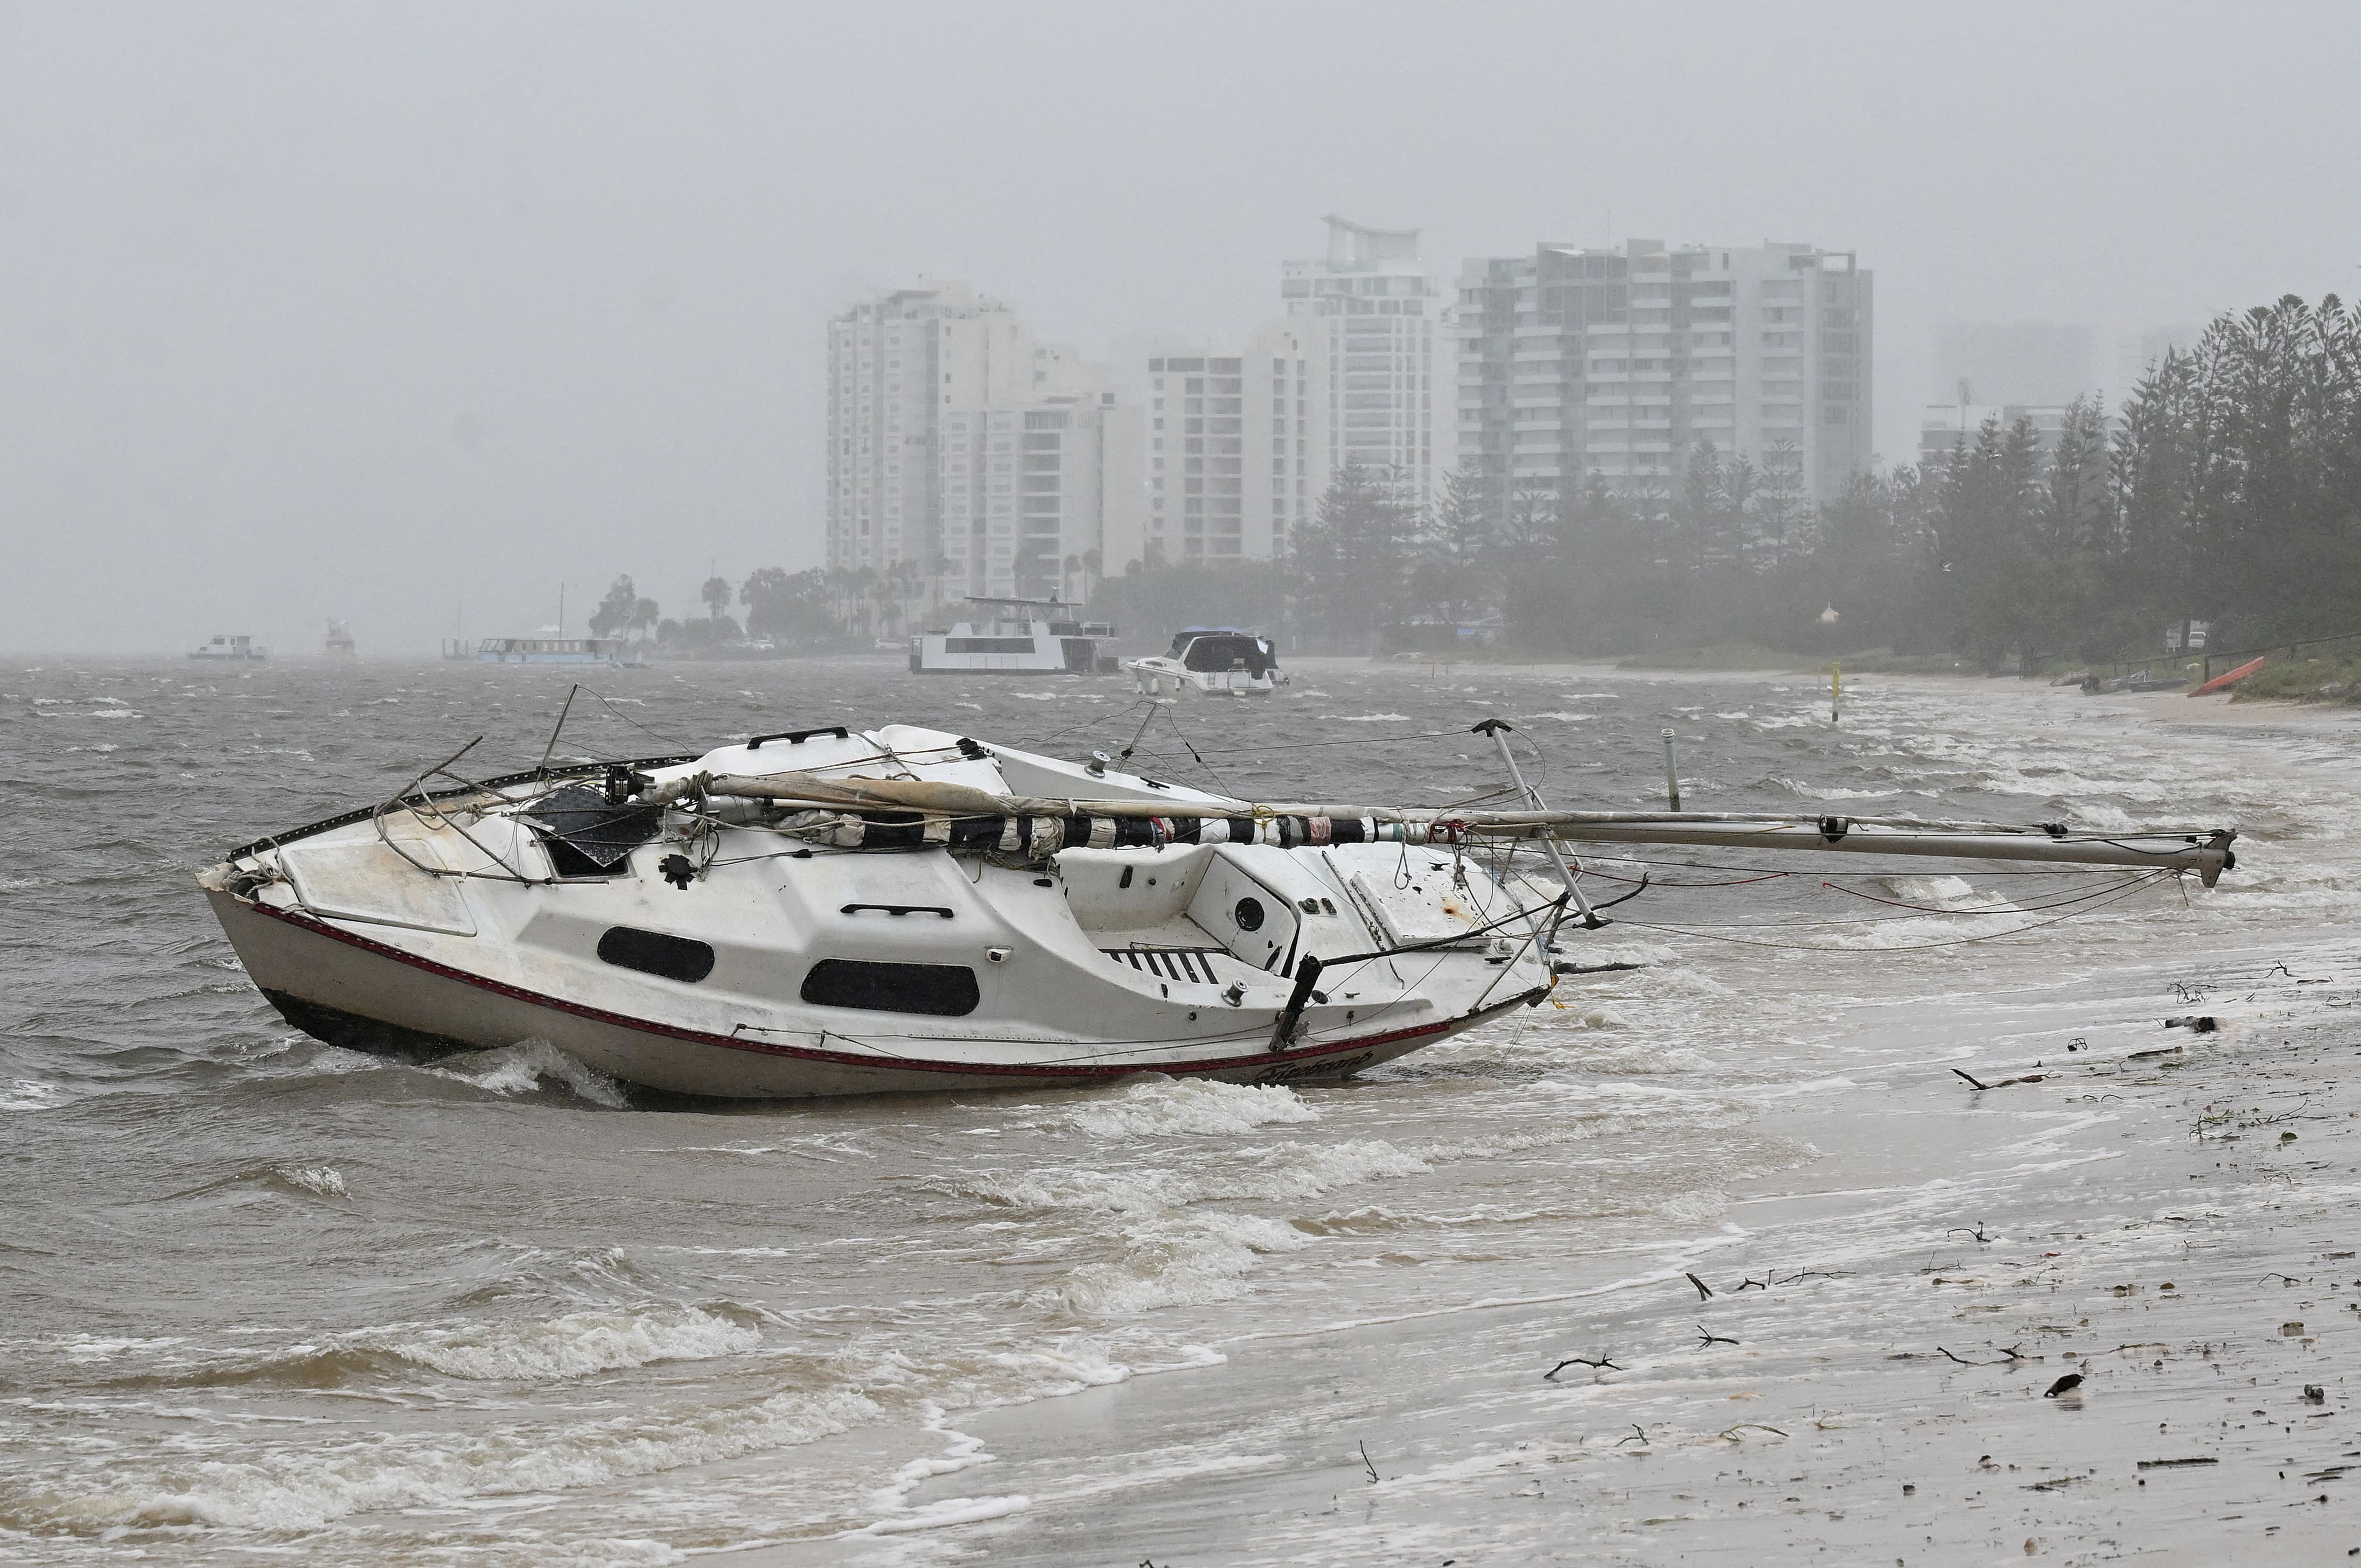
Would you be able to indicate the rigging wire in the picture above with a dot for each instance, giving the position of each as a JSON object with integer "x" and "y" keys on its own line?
{"x": 2125, "y": 891}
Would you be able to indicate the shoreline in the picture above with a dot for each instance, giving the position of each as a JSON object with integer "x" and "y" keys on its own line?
{"x": 2165, "y": 1217}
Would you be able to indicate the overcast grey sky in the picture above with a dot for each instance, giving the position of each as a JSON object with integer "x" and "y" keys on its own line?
{"x": 367, "y": 309}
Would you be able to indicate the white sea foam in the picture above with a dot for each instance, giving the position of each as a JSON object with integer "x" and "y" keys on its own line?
{"x": 324, "y": 1179}
{"x": 949, "y": 1511}
{"x": 962, "y": 1452}
{"x": 520, "y": 1069}
{"x": 1177, "y": 1260}
{"x": 1369, "y": 717}
{"x": 305, "y": 1486}
{"x": 1160, "y": 1106}
{"x": 30, "y": 1095}
{"x": 94, "y": 1348}
{"x": 575, "y": 1345}
{"x": 1837, "y": 791}
{"x": 1275, "y": 1173}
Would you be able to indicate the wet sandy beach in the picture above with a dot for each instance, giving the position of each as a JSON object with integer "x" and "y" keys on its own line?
{"x": 2168, "y": 1215}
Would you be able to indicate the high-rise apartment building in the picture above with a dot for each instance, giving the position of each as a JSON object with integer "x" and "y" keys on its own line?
{"x": 1237, "y": 445}
{"x": 930, "y": 393}
{"x": 2015, "y": 363}
{"x": 1947, "y": 430}
{"x": 1039, "y": 498}
{"x": 1575, "y": 361}
{"x": 1370, "y": 309}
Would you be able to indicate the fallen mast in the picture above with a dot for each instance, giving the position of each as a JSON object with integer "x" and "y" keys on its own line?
{"x": 896, "y": 813}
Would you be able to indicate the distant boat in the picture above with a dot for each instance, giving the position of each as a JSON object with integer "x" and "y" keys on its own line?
{"x": 613, "y": 651}
{"x": 240, "y": 648}
{"x": 1214, "y": 660}
{"x": 1020, "y": 638}
{"x": 340, "y": 641}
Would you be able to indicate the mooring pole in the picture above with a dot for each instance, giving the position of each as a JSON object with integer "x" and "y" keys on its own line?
{"x": 1836, "y": 691}
{"x": 1671, "y": 775}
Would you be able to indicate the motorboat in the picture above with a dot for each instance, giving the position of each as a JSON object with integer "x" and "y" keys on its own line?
{"x": 1017, "y": 637}
{"x": 340, "y": 643}
{"x": 238, "y": 649}
{"x": 1218, "y": 661}
{"x": 841, "y": 911}
{"x": 609, "y": 650}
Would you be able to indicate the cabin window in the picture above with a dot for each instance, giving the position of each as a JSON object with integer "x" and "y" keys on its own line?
{"x": 1248, "y": 914}
{"x": 947, "y": 990}
{"x": 654, "y": 952}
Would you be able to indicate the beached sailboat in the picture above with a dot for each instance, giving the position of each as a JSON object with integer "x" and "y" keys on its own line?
{"x": 1216, "y": 660}
{"x": 838, "y": 911}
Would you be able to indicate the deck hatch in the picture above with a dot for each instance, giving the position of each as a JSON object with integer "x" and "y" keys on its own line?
{"x": 587, "y": 836}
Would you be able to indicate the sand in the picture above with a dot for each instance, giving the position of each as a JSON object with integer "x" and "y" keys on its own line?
{"x": 2176, "y": 1229}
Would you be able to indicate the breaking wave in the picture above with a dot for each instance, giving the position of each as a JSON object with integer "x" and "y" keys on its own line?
{"x": 524, "y": 1069}
{"x": 1190, "y": 1105}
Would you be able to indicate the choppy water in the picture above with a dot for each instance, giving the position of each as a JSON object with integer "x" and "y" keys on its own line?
{"x": 261, "y": 1294}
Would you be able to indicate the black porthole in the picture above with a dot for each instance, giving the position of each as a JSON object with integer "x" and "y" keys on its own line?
{"x": 1248, "y": 914}
{"x": 947, "y": 990}
{"x": 654, "y": 952}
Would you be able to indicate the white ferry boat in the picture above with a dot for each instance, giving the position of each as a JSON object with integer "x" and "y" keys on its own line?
{"x": 1217, "y": 661}
{"x": 231, "y": 648}
{"x": 1020, "y": 637}
{"x": 546, "y": 651}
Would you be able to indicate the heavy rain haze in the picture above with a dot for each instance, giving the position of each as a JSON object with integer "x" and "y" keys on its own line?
{"x": 408, "y": 315}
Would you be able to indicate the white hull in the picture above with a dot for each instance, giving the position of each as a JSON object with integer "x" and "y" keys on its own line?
{"x": 1096, "y": 963}
{"x": 1169, "y": 677}
{"x": 355, "y": 991}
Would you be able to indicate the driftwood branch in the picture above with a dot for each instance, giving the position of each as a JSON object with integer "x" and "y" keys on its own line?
{"x": 1976, "y": 1083}
{"x": 1550, "y": 1375}
{"x": 2008, "y": 1357}
{"x": 1365, "y": 1461}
